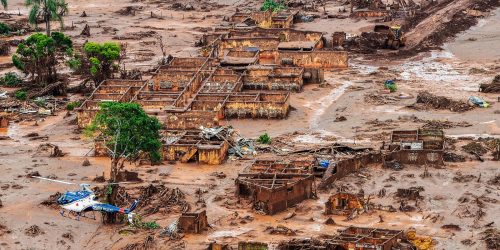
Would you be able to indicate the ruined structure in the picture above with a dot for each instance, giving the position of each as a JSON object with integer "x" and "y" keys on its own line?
{"x": 358, "y": 238}
{"x": 343, "y": 203}
{"x": 340, "y": 168}
{"x": 421, "y": 147}
{"x": 273, "y": 187}
{"x": 193, "y": 222}
{"x": 249, "y": 71}
{"x": 4, "y": 121}
{"x": 189, "y": 145}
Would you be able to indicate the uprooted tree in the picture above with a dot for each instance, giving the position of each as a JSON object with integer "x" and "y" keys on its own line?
{"x": 39, "y": 55}
{"x": 98, "y": 60}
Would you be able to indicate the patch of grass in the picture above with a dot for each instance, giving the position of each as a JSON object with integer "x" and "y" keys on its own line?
{"x": 20, "y": 95}
{"x": 138, "y": 222}
{"x": 272, "y": 5}
{"x": 10, "y": 79}
{"x": 72, "y": 105}
{"x": 264, "y": 139}
{"x": 4, "y": 29}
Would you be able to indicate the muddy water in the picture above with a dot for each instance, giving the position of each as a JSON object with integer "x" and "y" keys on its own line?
{"x": 481, "y": 42}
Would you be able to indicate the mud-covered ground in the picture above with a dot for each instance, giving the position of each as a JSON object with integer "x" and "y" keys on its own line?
{"x": 356, "y": 93}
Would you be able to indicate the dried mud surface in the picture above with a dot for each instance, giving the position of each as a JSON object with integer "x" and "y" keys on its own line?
{"x": 464, "y": 193}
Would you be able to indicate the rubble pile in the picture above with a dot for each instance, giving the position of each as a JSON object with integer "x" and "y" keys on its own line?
{"x": 52, "y": 201}
{"x": 301, "y": 244}
{"x": 148, "y": 243}
{"x": 475, "y": 148}
{"x": 440, "y": 124}
{"x": 50, "y": 150}
{"x": 281, "y": 230}
{"x": 493, "y": 87}
{"x": 491, "y": 237}
{"x": 428, "y": 100}
{"x": 161, "y": 199}
{"x": 33, "y": 231}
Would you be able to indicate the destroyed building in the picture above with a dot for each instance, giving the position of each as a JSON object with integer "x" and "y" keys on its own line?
{"x": 273, "y": 188}
{"x": 343, "y": 203}
{"x": 420, "y": 147}
{"x": 193, "y": 222}
{"x": 358, "y": 238}
{"x": 249, "y": 72}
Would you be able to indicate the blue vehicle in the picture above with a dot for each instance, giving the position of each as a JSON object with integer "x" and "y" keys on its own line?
{"x": 84, "y": 200}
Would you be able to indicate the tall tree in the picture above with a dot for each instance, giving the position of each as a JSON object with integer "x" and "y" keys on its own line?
{"x": 39, "y": 56}
{"x": 127, "y": 133}
{"x": 4, "y": 3}
{"x": 48, "y": 10}
{"x": 98, "y": 60}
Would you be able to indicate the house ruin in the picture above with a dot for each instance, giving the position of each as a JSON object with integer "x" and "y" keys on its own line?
{"x": 193, "y": 222}
{"x": 343, "y": 203}
{"x": 358, "y": 238}
{"x": 249, "y": 71}
{"x": 273, "y": 187}
{"x": 420, "y": 147}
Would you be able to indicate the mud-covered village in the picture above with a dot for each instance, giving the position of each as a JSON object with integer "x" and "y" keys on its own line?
{"x": 250, "y": 124}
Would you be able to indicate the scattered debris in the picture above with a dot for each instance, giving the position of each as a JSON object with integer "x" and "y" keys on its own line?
{"x": 280, "y": 229}
{"x": 50, "y": 150}
{"x": 451, "y": 227}
{"x": 52, "y": 201}
{"x": 429, "y": 100}
{"x": 86, "y": 162}
{"x": 33, "y": 231}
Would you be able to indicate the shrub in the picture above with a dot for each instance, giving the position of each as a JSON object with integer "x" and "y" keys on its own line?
{"x": 20, "y": 95}
{"x": 10, "y": 79}
{"x": 40, "y": 102}
{"x": 264, "y": 139}
{"x": 72, "y": 105}
{"x": 4, "y": 29}
{"x": 138, "y": 222}
{"x": 272, "y": 5}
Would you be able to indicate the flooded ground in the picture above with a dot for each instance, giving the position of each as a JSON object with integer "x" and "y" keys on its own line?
{"x": 356, "y": 93}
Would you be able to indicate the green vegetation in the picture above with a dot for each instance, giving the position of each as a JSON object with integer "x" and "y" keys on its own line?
{"x": 128, "y": 133}
{"x": 138, "y": 222}
{"x": 4, "y": 29}
{"x": 39, "y": 55}
{"x": 72, "y": 105}
{"x": 40, "y": 102}
{"x": 10, "y": 79}
{"x": 264, "y": 139}
{"x": 48, "y": 10}
{"x": 4, "y": 3}
{"x": 98, "y": 60}
{"x": 20, "y": 95}
{"x": 272, "y": 5}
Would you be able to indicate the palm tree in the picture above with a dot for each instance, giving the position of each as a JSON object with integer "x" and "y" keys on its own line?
{"x": 49, "y": 10}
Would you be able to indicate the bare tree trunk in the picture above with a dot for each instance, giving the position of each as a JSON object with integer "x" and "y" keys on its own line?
{"x": 47, "y": 18}
{"x": 114, "y": 170}
{"x": 110, "y": 218}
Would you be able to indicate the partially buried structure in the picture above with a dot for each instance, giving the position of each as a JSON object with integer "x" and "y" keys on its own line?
{"x": 273, "y": 186}
{"x": 248, "y": 70}
{"x": 419, "y": 147}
